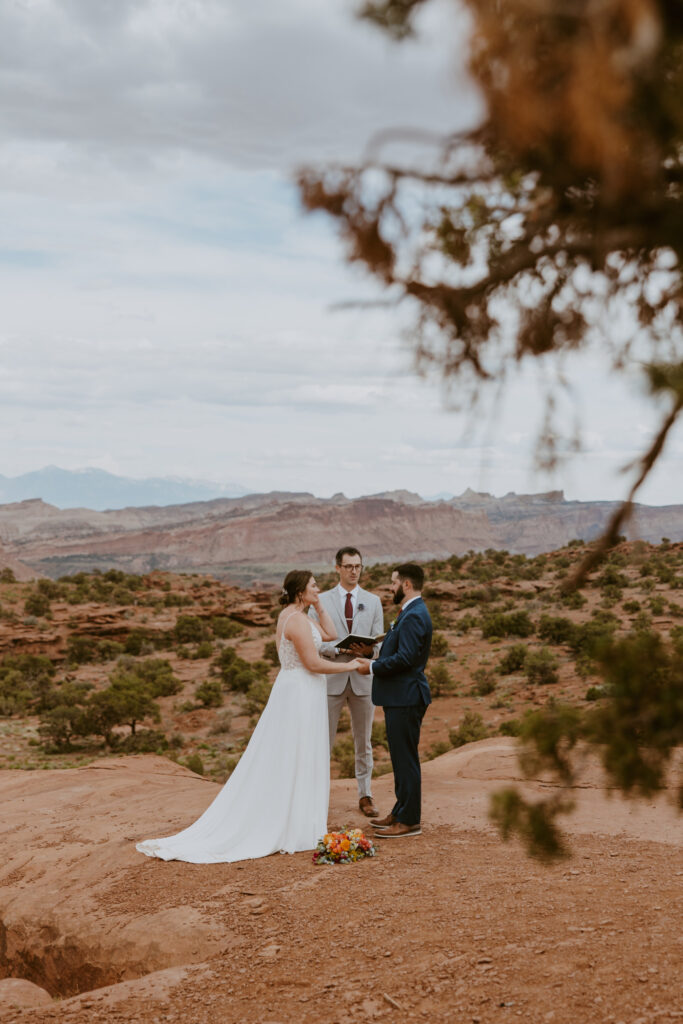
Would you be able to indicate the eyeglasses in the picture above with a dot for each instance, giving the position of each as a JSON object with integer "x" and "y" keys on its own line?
{"x": 351, "y": 568}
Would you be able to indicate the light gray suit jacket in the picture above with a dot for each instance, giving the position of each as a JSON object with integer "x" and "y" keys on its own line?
{"x": 368, "y": 620}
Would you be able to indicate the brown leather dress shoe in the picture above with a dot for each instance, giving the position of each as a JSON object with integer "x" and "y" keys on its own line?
{"x": 383, "y": 822}
{"x": 367, "y": 807}
{"x": 399, "y": 830}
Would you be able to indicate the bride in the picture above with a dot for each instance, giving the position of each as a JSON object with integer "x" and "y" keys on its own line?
{"x": 277, "y": 796}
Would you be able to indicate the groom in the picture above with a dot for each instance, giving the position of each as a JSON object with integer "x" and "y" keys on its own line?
{"x": 353, "y": 610}
{"x": 400, "y": 686}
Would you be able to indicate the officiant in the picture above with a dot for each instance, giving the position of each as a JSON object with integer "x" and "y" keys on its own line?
{"x": 353, "y": 610}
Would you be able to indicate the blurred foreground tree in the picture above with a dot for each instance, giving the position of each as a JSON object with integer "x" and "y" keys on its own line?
{"x": 555, "y": 225}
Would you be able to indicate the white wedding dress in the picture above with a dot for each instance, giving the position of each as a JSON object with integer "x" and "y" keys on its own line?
{"x": 277, "y": 797}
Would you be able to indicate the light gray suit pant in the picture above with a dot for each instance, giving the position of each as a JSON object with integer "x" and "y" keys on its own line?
{"x": 362, "y": 712}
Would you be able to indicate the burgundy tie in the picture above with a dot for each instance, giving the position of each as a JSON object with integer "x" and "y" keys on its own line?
{"x": 348, "y": 613}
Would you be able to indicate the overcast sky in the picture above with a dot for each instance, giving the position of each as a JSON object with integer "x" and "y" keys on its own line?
{"x": 167, "y": 310}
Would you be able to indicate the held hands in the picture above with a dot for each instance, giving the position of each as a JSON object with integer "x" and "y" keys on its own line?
{"x": 363, "y": 666}
{"x": 353, "y": 666}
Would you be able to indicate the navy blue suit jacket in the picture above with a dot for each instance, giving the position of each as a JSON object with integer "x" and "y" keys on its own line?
{"x": 398, "y": 677}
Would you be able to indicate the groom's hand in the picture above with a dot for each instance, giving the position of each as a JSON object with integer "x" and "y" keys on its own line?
{"x": 363, "y": 666}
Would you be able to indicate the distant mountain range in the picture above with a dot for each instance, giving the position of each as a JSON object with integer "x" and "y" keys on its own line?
{"x": 260, "y": 536}
{"x": 99, "y": 490}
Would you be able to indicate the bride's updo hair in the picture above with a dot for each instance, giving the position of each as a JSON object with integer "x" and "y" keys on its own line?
{"x": 295, "y": 583}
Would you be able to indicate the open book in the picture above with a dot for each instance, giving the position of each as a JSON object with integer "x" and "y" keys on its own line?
{"x": 355, "y": 638}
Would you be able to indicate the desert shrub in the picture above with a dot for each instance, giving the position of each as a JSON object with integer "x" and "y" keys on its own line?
{"x": 499, "y": 624}
{"x": 147, "y": 741}
{"x": 124, "y": 702}
{"x": 107, "y": 649}
{"x": 81, "y": 650}
{"x": 190, "y": 629}
{"x": 257, "y": 695}
{"x": 155, "y": 674}
{"x": 466, "y": 622}
{"x": 512, "y": 727}
{"x": 25, "y": 679}
{"x": 49, "y": 588}
{"x": 596, "y": 692}
{"x": 513, "y": 659}
{"x": 210, "y": 693}
{"x": 379, "y": 735}
{"x": 173, "y": 600}
{"x": 134, "y": 642}
{"x": 631, "y": 607}
{"x": 141, "y": 641}
{"x": 611, "y": 596}
{"x": 540, "y": 667}
{"x": 439, "y": 645}
{"x": 574, "y": 599}
{"x": 611, "y": 577}
{"x": 555, "y": 629}
{"x": 589, "y": 638}
{"x": 440, "y": 680}
{"x": 344, "y": 754}
{"x": 642, "y": 623}
{"x": 479, "y": 595}
{"x": 7, "y": 575}
{"x": 203, "y": 650}
{"x": 676, "y": 635}
{"x": 64, "y": 716}
{"x": 237, "y": 674}
{"x": 437, "y": 749}
{"x": 84, "y": 650}
{"x": 484, "y": 682}
{"x": 221, "y": 724}
{"x": 470, "y": 729}
{"x": 15, "y": 695}
{"x": 665, "y": 573}
{"x": 439, "y": 620}
{"x": 224, "y": 628}
{"x": 270, "y": 652}
{"x": 657, "y": 605}
{"x": 37, "y": 604}
{"x": 195, "y": 764}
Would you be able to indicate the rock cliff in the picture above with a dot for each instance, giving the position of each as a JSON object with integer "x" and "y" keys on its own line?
{"x": 257, "y": 535}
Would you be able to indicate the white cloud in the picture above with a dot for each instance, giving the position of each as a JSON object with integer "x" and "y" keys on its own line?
{"x": 167, "y": 308}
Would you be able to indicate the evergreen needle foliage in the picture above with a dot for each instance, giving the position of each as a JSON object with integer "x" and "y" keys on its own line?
{"x": 529, "y": 238}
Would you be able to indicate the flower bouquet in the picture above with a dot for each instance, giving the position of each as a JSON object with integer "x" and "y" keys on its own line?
{"x": 343, "y": 847}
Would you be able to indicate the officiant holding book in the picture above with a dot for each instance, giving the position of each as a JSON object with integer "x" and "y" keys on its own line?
{"x": 353, "y": 610}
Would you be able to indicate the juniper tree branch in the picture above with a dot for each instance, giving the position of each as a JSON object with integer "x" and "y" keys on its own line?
{"x": 610, "y": 537}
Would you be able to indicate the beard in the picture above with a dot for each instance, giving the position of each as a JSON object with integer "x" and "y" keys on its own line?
{"x": 399, "y": 595}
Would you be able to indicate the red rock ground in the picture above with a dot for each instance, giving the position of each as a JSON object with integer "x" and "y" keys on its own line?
{"x": 450, "y": 926}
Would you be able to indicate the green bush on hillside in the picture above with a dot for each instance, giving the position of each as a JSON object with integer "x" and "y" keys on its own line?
{"x": 470, "y": 729}
{"x": 500, "y": 624}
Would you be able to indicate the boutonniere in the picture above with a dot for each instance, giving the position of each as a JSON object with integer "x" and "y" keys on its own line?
{"x": 392, "y": 623}
{"x": 361, "y": 608}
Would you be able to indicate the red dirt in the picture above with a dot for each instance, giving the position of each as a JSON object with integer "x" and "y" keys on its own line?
{"x": 453, "y": 925}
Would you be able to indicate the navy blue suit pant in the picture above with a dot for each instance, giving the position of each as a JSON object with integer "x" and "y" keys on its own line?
{"x": 403, "y": 736}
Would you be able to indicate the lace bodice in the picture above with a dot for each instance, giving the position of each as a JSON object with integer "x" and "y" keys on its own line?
{"x": 289, "y": 659}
